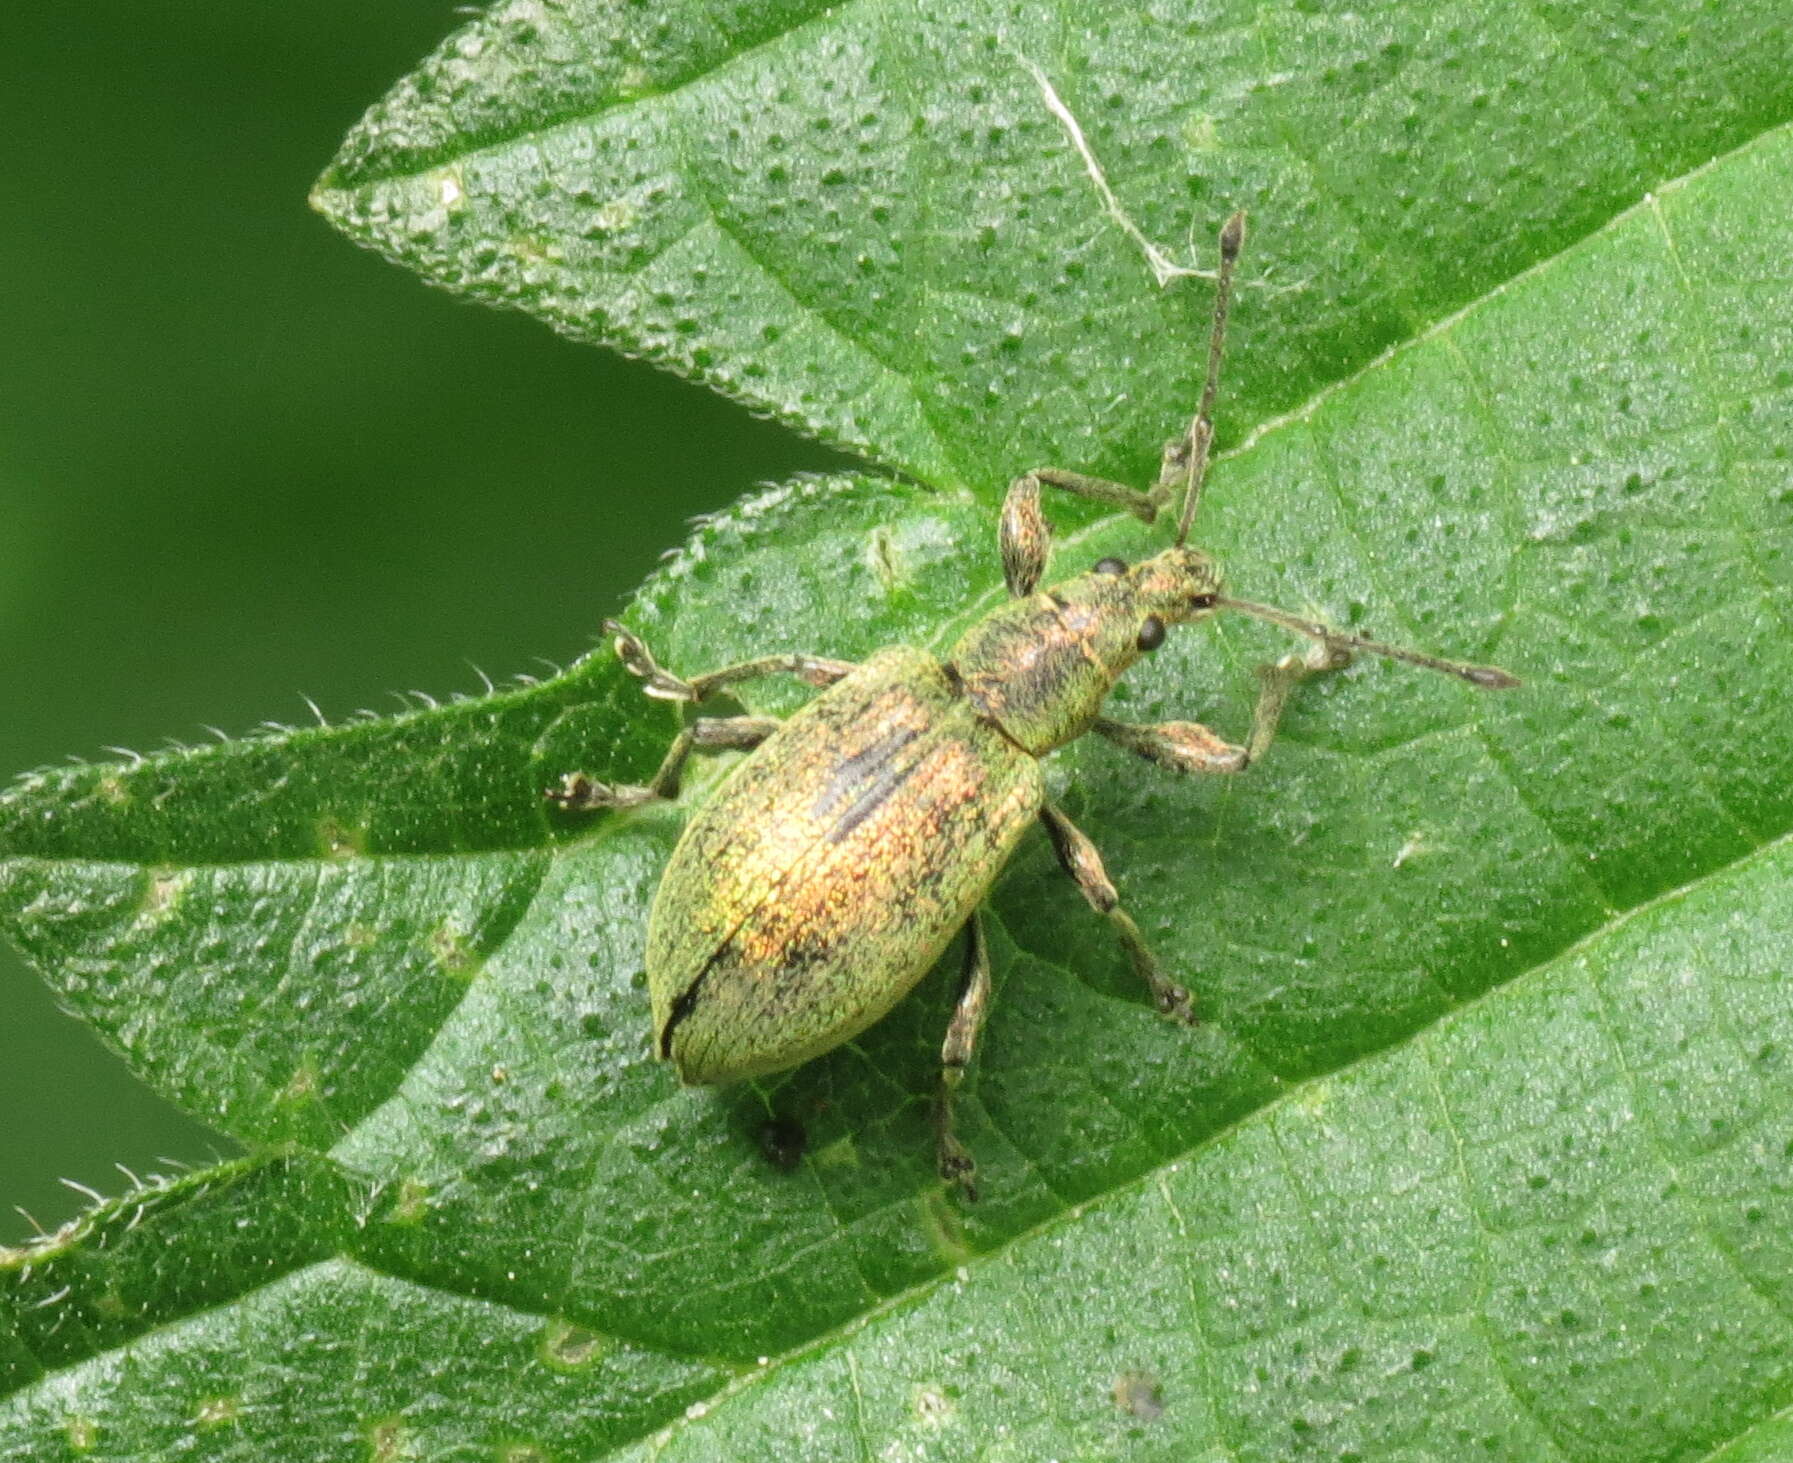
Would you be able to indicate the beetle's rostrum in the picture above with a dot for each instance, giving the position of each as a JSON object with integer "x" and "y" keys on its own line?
{"x": 835, "y": 864}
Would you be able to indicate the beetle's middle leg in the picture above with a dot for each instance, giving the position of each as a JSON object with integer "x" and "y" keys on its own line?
{"x": 664, "y": 685}
{"x": 957, "y": 1166}
{"x": 1084, "y": 864}
{"x": 579, "y": 793}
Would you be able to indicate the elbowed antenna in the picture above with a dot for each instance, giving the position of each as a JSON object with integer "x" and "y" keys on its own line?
{"x": 1201, "y": 430}
{"x": 1489, "y": 677}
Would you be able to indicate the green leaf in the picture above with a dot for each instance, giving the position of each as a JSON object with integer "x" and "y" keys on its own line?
{"x": 869, "y": 223}
{"x": 1483, "y": 1147}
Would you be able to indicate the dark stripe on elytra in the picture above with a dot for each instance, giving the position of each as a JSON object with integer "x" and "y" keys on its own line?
{"x": 889, "y": 778}
{"x": 845, "y": 777}
{"x": 800, "y": 955}
{"x": 685, "y": 1003}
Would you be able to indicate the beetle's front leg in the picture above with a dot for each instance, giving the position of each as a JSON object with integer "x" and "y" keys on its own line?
{"x": 1182, "y": 746}
{"x": 579, "y": 793}
{"x": 1276, "y": 681}
{"x": 1188, "y": 746}
{"x": 664, "y": 685}
{"x": 957, "y": 1166}
{"x": 1084, "y": 864}
{"x": 1023, "y": 536}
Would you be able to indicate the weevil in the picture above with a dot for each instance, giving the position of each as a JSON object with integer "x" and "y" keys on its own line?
{"x": 836, "y": 863}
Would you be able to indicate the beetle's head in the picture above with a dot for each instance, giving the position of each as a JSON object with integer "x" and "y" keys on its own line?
{"x": 1178, "y": 585}
{"x": 1138, "y": 602}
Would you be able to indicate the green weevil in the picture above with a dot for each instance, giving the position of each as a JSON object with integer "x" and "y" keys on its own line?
{"x": 837, "y": 862}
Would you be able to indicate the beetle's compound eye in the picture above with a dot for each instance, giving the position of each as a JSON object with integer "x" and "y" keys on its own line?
{"x": 1151, "y": 633}
{"x": 1110, "y": 566}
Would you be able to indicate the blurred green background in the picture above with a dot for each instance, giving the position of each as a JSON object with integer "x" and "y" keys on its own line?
{"x": 240, "y": 459}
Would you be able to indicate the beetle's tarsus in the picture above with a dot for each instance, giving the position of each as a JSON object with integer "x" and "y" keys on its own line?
{"x": 1176, "y": 1003}
{"x": 578, "y": 793}
{"x": 663, "y": 685}
{"x": 1276, "y": 681}
{"x": 639, "y": 662}
{"x": 1170, "y": 999}
{"x": 958, "y": 1168}
{"x": 1083, "y": 863}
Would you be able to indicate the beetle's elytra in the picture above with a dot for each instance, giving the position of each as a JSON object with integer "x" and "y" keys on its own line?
{"x": 836, "y": 863}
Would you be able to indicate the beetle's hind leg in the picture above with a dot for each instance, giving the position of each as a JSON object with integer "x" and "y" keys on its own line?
{"x": 665, "y": 686}
{"x": 1084, "y": 864}
{"x": 579, "y": 793}
{"x": 957, "y": 1166}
